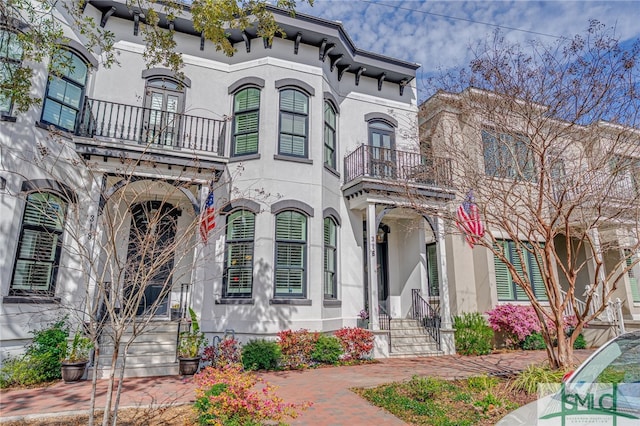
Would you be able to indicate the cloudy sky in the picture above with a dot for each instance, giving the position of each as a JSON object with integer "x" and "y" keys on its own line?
{"x": 438, "y": 34}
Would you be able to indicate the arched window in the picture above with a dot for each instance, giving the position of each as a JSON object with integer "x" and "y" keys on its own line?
{"x": 40, "y": 245}
{"x": 238, "y": 263}
{"x": 291, "y": 249}
{"x": 65, "y": 90}
{"x": 329, "y": 135}
{"x": 164, "y": 105}
{"x": 294, "y": 123}
{"x": 246, "y": 113}
{"x": 10, "y": 61}
{"x": 330, "y": 258}
{"x": 381, "y": 144}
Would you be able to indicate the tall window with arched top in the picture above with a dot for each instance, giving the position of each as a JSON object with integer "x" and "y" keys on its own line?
{"x": 329, "y": 135}
{"x": 381, "y": 148}
{"x": 40, "y": 245}
{"x": 65, "y": 90}
{"x": 294, "y": 123}
{"x": 330, "y": 258}
{"x": 238, "y": 264}
{"x": 291, "y": 249}
{"x": 164, "y": 106}
{"x": 246, "y": 114}
{"x": 10, "y": 61}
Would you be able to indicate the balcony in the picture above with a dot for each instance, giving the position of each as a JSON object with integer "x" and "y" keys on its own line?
{"x": 598, "y": 190}
{"x": 370, "y": 168}
{"x": 150, "y": 131}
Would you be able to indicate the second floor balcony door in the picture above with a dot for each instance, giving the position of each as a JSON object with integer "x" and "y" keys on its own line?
{"x": 164, "y": 105}
{"x": 382, "y": 159}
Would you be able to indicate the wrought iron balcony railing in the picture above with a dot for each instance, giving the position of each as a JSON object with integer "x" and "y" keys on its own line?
{"x": 397, "y": 166}
{"x": 592, "y": 186}
{"x": 146, "y": 126}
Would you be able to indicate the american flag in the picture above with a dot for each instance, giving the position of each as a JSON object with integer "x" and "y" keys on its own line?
{"x": 208, "y": 217}
{"x": 468, "y": 220}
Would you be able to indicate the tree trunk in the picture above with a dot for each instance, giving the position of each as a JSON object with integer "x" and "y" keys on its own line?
{"x": 114, "y": 421}
{"x": 112, "y": 374}
{"x": 94, "y": 385}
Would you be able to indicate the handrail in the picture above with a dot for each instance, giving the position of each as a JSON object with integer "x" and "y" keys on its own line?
{"x": 426, "y": 315}
{"x": 152, "y": 127}
{"x": 569, "y": 311}
{"x": 394, "y": 165}
{"x": 384, "y": 319}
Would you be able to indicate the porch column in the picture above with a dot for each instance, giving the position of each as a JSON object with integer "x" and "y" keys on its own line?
{"x": 597, "y": 250}
{"x": 447, "y": 342}
{"x": 372, "y": 266}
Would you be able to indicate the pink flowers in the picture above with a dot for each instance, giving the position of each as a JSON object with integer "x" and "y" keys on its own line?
{"x": 356, "y": 342}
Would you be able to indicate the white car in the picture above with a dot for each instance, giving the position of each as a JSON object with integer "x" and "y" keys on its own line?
{"x": 604, "y": 390}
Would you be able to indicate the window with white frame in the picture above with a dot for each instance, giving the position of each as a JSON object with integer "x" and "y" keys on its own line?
{"x": 246, "y": 112}
{"x": 330, "y": 258}
{"x": 508, "y": 156}
{"x": 238, "y": 265}
{"x": 10, "y": 61}
{"x": 65, "y": 91}
{"x": 40, "y": 245}
{"x": 290, "y": 254}
{"x": 523, "y": 259}
{"x": 294, "y": 123}
{"x": 329, "y": 135}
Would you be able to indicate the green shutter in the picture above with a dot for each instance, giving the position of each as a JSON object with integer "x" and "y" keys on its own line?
{"x": 515, "y": 261}
{"x": 504, "y": 285}
{"x": 239, "y": 254}
{"x": 432, "y": 270}
{"x": 291, "y": 226}
{"x": 247, "y": 99}
{"x": 633, "y": 280}
{"x": 291, "y": 243}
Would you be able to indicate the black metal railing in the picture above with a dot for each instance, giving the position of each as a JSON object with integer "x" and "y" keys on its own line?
{"x": 597, "y": 185}
{"x": 384, "y": 319}
{"x": 151, "y": 127}
{"x": 183, "y": 325}
{"x": 393, "y": 165}
{"x": 427, "y": 315}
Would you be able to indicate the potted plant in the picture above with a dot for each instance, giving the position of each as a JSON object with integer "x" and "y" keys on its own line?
{"x": 75, "y": 357}
{"x": 189, "y": 346}
{"x": 175, "y": 312}
{"x": 363, "y": 319}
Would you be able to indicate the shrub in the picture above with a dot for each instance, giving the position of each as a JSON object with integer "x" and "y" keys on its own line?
{"x": 261, "y": 355}
{"x": 357, "y": 343}
{"x": 296, "y": 347}
{"x": 227, "y": 351}
{"x": 21, "y": 371}
{"x": 533, "y": 342}
{"x": 473, "y": 335}
{"x": 327, "y": 350}
{"x": 47, "y": 349}
{"x": 516, "y": 321}
{"x": 529, "y": 379}
{"x": 580, "y": 342}
{"x": 228, "y": 396}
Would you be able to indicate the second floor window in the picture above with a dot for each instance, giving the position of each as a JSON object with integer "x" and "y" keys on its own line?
{"x": 507, "y": 288}
{"x": 10, "y": 60}
{"x": 291, "y": 249}
{"x": 329, "y": 136}
{"x": 164, "y": 105}
{"x": 246, "y": 111}
{"x": 508, "y": 156}
{"x": 238, "y": 265}
{"x": 65, "y": 90}
{"x": 294, "y": 123}
{"x": 40, "y": 245}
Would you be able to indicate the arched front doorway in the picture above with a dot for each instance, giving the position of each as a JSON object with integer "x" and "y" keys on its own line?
{"x": 150, "y": 257}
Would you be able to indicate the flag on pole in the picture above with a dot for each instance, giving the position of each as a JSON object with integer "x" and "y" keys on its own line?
{"x": 208, "y": 216}
{"x": 468, "y": 220}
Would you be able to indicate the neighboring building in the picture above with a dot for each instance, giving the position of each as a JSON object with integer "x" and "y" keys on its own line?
{"x": 594, "y": 168}
{"x": 310, "y": 142}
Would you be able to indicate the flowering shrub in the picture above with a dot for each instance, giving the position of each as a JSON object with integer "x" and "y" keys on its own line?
{"x": 356, "y": 342}
{"x": 516, "y": 321}
{"x": 296, "y": 347}
{"x": 228, "y": 396}
{"x": 228, "y": 351}
{"x": 363, "y": 314}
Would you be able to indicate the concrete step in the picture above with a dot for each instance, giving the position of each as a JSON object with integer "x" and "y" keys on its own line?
{"x": 141, "y": 370}
{"x": 415, "y": 347}
{"x": 415, "y": 355}
{"x": 408, "y": 338}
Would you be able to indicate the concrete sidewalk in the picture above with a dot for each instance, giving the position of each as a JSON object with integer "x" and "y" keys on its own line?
{"x": 327, "y": 388}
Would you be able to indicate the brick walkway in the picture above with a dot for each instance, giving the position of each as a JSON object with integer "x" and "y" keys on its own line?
{"x": 327, "y": 388}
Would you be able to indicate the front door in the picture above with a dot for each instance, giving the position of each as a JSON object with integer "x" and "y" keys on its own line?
{"x": 382, "y": 250}
{"x": 150, "y": 257}
{"x": 163, "y": 108}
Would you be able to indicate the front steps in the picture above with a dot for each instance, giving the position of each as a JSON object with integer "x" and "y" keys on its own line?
{"x": 409, "y": 339}
{"x": 152, "y": 353}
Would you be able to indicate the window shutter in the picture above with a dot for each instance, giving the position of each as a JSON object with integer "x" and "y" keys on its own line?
{"x": 503, "y": 277}
{"x": 633, "y": 280}
{"x": 432, "y": 270}
{"x": 239, "y": 254}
